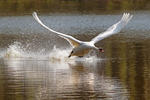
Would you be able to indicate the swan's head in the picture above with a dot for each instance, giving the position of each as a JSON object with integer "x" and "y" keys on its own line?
{"x": 101, "y": 50}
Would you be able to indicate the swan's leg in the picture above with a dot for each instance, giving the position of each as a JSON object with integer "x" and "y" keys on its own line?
{"x": 70, "y": 54}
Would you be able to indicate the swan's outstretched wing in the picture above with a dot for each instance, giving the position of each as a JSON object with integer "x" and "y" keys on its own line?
{"x": 114, "y": 28}
{"x": 74, "y": 42}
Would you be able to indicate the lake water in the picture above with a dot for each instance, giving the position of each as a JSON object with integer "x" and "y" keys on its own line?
{"x": 34, "y": 63}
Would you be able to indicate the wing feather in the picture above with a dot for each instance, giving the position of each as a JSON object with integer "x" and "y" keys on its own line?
{"x": 74, "y": 42}
{"x": 114, "y": 28}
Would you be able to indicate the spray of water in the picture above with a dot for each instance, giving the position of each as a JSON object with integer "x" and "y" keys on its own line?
{"x": 13, "y": 51}
{"x": 17, "y": 50}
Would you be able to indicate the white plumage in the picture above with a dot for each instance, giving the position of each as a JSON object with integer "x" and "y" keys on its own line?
{"x": 81, "y": 48}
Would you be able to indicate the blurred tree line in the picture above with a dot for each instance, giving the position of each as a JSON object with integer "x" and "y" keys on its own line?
{"x": 83, "y": 6}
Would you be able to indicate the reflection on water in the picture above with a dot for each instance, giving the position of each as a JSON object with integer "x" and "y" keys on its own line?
{"x": 27, "y": 79}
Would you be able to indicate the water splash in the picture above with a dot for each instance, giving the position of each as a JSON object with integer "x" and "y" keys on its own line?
{"x": 18, "y": 50}
{"x": 13, "y": 51}
{"x": 59, "y": 54}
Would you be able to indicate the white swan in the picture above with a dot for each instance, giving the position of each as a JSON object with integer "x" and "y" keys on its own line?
{"x": 80, "y": 48}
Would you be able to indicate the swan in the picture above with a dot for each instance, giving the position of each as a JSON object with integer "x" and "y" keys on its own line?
{"x": 81, "y": 48}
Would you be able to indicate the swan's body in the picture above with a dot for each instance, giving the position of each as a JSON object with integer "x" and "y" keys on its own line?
{"x": 81, "y": 48}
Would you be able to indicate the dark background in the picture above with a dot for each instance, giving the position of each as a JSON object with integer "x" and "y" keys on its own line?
{"x": 19, "y": 7}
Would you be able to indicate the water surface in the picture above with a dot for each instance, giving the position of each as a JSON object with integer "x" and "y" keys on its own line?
{"x": 34, "y": 63}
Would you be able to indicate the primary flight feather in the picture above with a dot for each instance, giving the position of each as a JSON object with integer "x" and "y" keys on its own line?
{"x": 81, "y": 48}
{"x": 114, "y": 28}
{"x": 70, "y": 39}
